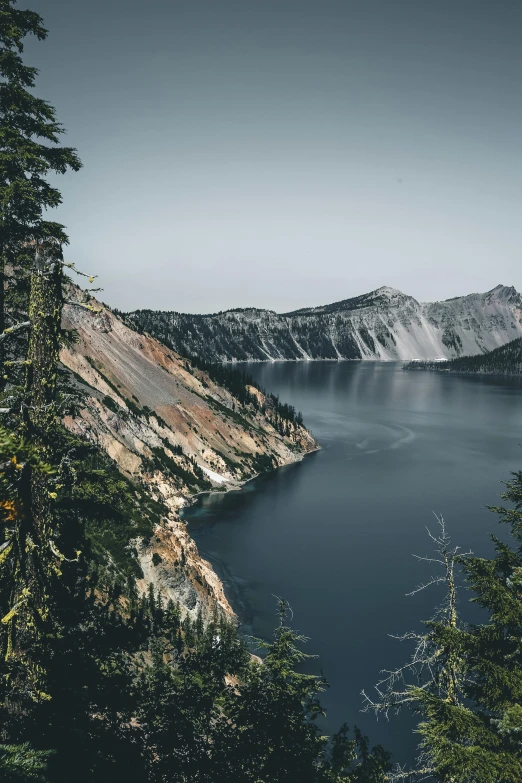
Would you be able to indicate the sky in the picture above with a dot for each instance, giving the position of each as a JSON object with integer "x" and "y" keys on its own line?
{"x": 287, "y": 153}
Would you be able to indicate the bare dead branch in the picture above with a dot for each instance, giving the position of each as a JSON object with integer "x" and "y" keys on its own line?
{"x": 59, "y": 555}
{"x": 14, "y": 329}
{"x": 71, "y": 265}
{"x": 433, "y": 581}
{"x": 431, "y": 668}
{"x": 400, "y": 773}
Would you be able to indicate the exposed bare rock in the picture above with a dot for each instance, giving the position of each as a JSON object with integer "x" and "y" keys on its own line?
{"x": 168, "y": 426}
{"x": 180, "y": 572}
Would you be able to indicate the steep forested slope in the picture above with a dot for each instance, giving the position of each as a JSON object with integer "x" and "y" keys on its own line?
{"x": 384, "y": 324}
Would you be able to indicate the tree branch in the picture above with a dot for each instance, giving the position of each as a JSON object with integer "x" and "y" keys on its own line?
{"x": 13, "y": 329}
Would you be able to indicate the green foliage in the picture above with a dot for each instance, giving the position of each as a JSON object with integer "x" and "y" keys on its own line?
{"x": 259, "y": 727}
{"x": 158, "y": 418}
{"x": 113, "y": 511}
{"x": 263, "y": 463}
{"x": 271, "y": 733}
{"x": 97, "y": 682}
{"x": 69, "y": 338}
{"x": 113, "y": 406}
{"x": 276, "y": 736}
{"x": 136, "y": 410}
{"x": 191, "y": 477}
{"x": 181, "y": 698}
{"x": 352, "y": 760}
{"x": 230, "y": 378}
{"x": 16, "y": 451}
{"x": 137, "y": 692}
{"x": 231, "y": 414}
{"x": 232, "y": 336}
{"x": 468, "y": 688}
{"x": 30, "y": 248}
{"x": 237, "y": 383}
{"x": 24, "y": 119}
{"x": 234, "y": 380}
{"x": 23, "y": 764}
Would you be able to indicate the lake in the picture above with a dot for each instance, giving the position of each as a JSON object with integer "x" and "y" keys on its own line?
{"x": 335, "y": 534}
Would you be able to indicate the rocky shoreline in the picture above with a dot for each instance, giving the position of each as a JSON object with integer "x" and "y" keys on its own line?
{"x": 189, "y": 580}
{"x": 171, "y": 429}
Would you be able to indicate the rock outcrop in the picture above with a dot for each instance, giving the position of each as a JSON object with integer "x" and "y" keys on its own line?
{"x": 168, "y": 426}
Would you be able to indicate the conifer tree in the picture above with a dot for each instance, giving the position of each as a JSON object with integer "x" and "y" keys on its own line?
{"x": 272, "y": 733}
{"x": 467, "y": 684}
{"x": 29, "y": 133}
{"x": 26, "y": 122}
{"x": 23, "y": 764}
{"x": 277, "y": 736}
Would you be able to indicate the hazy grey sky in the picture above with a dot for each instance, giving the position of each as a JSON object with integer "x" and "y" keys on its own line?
{"x": 284, "y": 153}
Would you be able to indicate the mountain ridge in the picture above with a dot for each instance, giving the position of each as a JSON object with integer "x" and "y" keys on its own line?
{"x": 384, "y": 324}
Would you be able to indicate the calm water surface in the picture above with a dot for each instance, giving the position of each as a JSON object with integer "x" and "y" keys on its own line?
{"x": 335, "y": 534}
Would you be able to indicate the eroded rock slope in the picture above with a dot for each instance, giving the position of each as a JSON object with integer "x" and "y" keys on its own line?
{"x": 168, "y": 426}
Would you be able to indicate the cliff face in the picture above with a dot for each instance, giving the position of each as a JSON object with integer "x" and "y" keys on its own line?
{"x": 168, "y": 426}
{"x": 384, "y": 324}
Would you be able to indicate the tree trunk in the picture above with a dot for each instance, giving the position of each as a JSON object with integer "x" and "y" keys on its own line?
{"x": 45, "y": 315}
{"x": 2, "y": 316}
{"x": 29, "y": 619}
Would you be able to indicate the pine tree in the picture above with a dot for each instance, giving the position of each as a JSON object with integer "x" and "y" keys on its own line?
{"x": 468, "y": 688}
{"x": 481, "y": 740}
{"x": 272, "y": 734}
{"x": 116, "y": 685}
{"x": 277, "y": 736}
{"x": 25, "y": 121}
{"x": 23, "y": 764}
{"x": 30, "y": 244}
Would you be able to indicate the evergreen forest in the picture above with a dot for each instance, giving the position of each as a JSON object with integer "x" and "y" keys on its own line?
{"x": 506, "y": 360}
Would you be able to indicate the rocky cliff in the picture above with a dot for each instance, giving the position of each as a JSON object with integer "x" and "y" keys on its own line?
{"x": 168, "y": 426}
{"x": 384, "y": 324}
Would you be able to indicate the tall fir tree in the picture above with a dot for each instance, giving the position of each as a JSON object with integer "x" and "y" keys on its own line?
{"x": 30, "y": 246}
{"x": 272, "y": 732}
{"x": 26, "y": 124}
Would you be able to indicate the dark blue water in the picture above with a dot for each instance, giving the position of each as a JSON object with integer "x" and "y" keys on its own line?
{"x": 335, "y": 534}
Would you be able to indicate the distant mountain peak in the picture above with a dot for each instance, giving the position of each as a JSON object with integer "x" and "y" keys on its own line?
{"x": 503, "y": 292}
{"x": 387, "y": 290}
